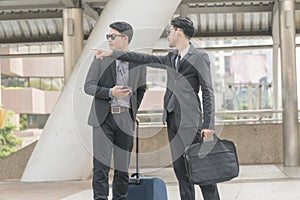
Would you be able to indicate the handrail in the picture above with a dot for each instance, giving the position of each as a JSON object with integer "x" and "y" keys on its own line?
{"x": 262, "y": 116}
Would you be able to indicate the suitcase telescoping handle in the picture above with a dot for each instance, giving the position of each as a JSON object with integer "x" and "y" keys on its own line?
{"x": 137, "y": 148}
{"x": 136, "y": 176}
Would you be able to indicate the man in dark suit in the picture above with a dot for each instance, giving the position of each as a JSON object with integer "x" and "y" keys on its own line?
{"x": 118, "y": 88}
{"x": 188, "y": 71}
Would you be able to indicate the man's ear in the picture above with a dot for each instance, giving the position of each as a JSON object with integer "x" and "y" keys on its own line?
{"x": 127, "y": 39}
{"x": 180, "y": 32}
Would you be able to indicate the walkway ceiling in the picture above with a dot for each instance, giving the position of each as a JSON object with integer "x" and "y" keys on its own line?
{"x": 31, "y": 21}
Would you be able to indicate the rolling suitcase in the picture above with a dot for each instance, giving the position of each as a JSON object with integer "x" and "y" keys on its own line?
{"x": 145, "y": 188}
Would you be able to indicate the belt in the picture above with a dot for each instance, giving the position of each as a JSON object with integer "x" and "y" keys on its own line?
{"x": 116, "y": 110}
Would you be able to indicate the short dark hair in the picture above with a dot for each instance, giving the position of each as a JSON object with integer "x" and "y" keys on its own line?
{"x": 124, "y": 28}
{"x": 185, "y": 24}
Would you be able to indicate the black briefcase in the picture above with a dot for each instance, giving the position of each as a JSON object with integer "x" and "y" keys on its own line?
{"x": 211, "y": 161}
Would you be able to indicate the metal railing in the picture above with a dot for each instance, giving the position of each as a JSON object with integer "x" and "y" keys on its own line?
{"x": 262, "y": 116}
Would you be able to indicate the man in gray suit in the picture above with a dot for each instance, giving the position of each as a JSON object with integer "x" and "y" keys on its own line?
{"x": 188, "y": 71}
{"x": 118, "y": 88}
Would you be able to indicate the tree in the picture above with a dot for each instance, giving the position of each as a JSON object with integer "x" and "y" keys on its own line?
{"x": 8, "y": 141}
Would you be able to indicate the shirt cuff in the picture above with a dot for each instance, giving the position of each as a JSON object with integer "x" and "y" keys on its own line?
{"x": 110, "y": 93}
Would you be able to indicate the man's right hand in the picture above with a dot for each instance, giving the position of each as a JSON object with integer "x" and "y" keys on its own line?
{"x": 120, "y": 92}
{"x": 101, "y": 53}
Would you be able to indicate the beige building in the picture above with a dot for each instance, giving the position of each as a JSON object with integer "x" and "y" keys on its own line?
{"x": 30, "y": 88}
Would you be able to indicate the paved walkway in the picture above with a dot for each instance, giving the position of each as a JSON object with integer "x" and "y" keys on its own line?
{"x": 256, "y": 182}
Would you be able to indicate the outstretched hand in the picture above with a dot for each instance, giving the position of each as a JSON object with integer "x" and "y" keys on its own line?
{"x": 101, "y": 53}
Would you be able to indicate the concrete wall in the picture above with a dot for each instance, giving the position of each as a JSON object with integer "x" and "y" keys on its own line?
{"x": 256, "y": 144}
{"x": 33, "y": 66}
{"x": 12, "y": 167}
{"x": 153, "y": 100}
{"x": 29, "y": 100}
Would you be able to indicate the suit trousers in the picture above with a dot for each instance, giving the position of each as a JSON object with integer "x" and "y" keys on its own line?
{"x": 179, "y": 139}
{"x": 114, "y": 137}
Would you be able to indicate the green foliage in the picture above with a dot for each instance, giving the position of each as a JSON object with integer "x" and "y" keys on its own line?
{"x": 23, "y": 121}
{"x": 41, "y": 84}
{"x": 148, "y": 86}
{"x": 8, "y": 141}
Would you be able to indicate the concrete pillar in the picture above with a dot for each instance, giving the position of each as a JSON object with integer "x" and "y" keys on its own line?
{"x": 275, "y": 77}
{"x": 184, "y": 10}
{"x": 289, "y": 83}
{"x": 276, "y": 44}
{"x": 2, "y": 63}
{"x": 73, "y": 38}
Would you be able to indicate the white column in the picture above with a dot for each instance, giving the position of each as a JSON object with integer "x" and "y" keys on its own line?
{"x": 64, "y": 149}
{"x": 276, "y": 44}
{"x": 289, "y": 83}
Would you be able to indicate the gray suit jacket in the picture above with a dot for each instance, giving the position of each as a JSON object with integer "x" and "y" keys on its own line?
{"x": 101, "y": 77}
{"x": 193, "y": 74}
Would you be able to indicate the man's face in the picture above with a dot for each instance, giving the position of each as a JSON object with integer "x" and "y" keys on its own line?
{"x": 172, "y": 36}
{"x": 116, "y": 40}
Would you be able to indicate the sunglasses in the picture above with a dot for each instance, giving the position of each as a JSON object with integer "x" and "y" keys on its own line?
{"x": 113, "y": 36}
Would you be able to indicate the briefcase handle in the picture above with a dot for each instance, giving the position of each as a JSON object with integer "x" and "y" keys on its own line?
{"x": 200, "y": 138}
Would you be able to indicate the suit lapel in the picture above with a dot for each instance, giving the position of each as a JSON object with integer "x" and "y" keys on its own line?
{"x": 183, "y": 60}
{"x": 113, "y": 70}
{"x": 173, "y": 57}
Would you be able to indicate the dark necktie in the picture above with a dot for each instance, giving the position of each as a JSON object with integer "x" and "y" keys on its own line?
{"x": 177, "y": 63}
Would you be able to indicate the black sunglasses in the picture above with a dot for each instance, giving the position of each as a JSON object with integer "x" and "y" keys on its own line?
{"x": 113, "y": 36}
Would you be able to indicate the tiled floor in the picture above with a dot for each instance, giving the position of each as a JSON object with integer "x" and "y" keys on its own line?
{"x": 256, "y": 182}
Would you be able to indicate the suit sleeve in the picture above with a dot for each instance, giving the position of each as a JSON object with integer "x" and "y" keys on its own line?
{"x": 141, "y": 86}
{"x": 208, "y": 99}
{"x": 142, "y": 58}
{"x": 91, "y": 86}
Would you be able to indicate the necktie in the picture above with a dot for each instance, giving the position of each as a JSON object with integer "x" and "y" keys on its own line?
{"x": 177, "y": 63}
